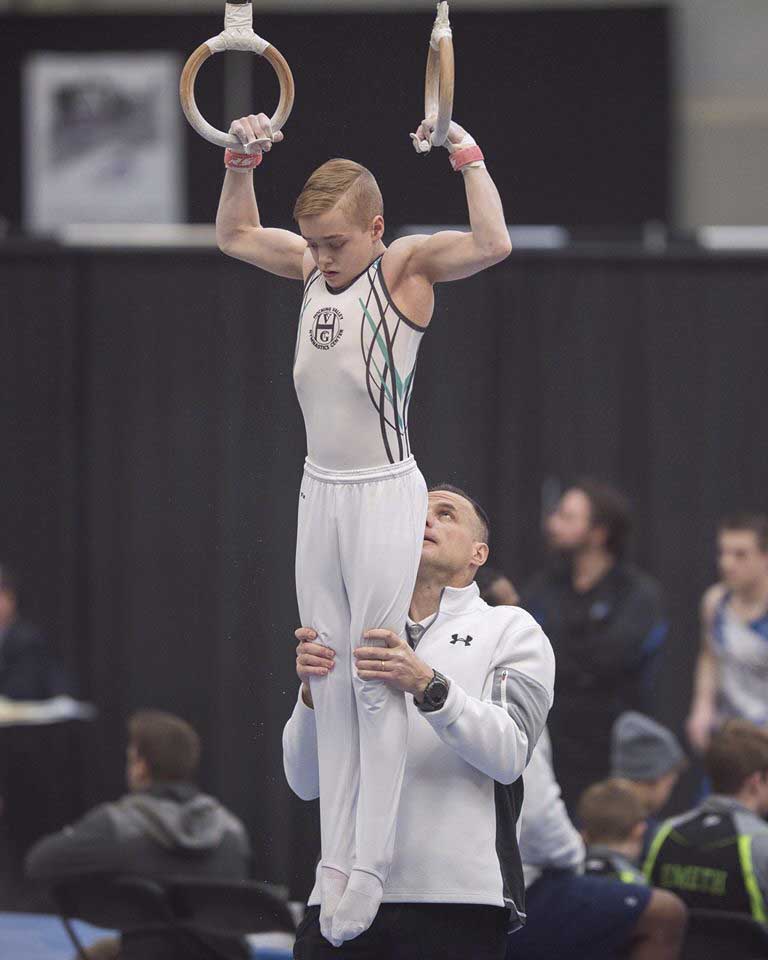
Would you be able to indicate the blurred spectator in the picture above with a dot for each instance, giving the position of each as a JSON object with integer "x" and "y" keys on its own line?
{"x": 605, "y": 621}
{"x": 612, "y": 820}
{"x": 165, "y": 827}
{"x": 28, "y": 669}
{"x": 575, "y": 916}
{"x": 496, "y": 588}
{"x": 731, "y": 677}
{"x": 651, "y": 758}
{"x": 716, "y": 856}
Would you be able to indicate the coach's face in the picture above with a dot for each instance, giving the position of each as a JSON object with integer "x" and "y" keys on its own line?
{"x": 453, "y": 537}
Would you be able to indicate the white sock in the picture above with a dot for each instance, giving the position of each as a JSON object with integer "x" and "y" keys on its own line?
{"x": 358, "y": 907}
{"x": 333, "y": 883}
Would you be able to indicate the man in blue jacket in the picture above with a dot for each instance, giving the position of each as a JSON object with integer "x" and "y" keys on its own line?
{"x": 605, "y": 619}
{"x": 28, "y": 668}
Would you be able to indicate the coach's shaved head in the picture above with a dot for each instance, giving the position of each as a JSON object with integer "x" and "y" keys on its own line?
{"x": 483, "y": 523}
{"x": 455, "y": 537}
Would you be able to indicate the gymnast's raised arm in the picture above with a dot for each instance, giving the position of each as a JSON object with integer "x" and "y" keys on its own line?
{"x": 452, "y": 254}
{"x": 239, "y": 231}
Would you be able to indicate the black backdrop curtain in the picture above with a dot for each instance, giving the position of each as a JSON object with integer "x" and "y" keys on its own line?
{"x": 152, "y": 447}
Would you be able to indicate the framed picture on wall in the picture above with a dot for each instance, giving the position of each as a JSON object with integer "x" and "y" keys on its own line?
{"x": 102, "y": 139}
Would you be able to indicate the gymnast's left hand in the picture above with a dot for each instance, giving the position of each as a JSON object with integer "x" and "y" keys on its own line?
{"x": 458, "y": 138}
{"x": 395, "y": 663}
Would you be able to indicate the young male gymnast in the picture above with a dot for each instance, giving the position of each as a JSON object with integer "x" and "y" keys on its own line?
{"x": 363, "y": 501}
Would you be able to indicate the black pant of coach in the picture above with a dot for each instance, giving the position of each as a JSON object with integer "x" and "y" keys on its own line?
{"x": 414, "y": 931}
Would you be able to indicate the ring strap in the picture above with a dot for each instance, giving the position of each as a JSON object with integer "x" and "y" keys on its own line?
{"x": 238, "y": 32}
{"x": 442, "y": 27}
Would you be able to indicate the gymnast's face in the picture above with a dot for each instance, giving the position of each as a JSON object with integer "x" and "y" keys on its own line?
{"x": 341, "y": 247}
{"x": 453, "y": 540}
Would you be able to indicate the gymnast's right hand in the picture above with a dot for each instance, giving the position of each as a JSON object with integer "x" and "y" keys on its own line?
{"x": 255, "y": 134}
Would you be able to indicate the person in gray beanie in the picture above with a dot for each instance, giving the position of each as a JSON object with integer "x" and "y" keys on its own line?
{"x": 650, "y": 756}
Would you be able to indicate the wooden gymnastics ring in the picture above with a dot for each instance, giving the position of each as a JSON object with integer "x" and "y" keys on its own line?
{"x": 438, "y": 86}
{"x": 237, "y": 35}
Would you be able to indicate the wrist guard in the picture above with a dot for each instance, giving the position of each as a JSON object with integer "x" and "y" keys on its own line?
{"x": 242, "y": 161}
{"x": 467, "y": 156}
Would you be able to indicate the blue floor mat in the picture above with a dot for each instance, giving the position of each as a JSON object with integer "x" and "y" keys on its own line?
{"x": 33, "y": 936}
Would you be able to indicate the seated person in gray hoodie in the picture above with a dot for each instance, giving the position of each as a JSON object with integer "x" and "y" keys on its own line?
{"x": 165, "y": 827}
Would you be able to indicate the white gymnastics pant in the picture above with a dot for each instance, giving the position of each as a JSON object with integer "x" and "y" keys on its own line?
{"x": 358, "y": 547}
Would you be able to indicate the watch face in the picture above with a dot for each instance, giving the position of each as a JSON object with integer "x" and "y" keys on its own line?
{"x": 437, "y": 691}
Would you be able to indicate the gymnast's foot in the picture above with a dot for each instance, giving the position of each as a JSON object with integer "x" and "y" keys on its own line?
{"x": 332, "y": 885}
{"x": 358, "y": 907}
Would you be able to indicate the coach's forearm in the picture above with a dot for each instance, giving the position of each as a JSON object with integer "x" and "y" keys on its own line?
{"x": 484, "y": 736}
{"x": 300, "y": 760}
{"x": 486, "y": 213}
{"x": 238, "y": 209}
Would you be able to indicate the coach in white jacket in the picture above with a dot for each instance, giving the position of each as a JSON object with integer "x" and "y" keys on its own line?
{"x": 478, "y": 681}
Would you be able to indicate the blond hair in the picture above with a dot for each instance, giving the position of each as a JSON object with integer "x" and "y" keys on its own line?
{"x": 609, "y": 811}
{"x": 345, "y": 181}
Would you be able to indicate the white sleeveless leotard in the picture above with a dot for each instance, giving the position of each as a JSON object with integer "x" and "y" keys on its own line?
{"x": 742, "y": 652}
{"x": 362, "y": 509}
{"x": 353, "y": 371}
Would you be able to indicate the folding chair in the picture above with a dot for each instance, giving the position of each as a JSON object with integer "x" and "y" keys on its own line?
{"x": 132, "y": 905}
{"x": 227, "y": 908}
{"x": 718, "y": 934}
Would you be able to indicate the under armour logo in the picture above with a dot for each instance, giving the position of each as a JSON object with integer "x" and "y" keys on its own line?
{"x": 465, "y": 640}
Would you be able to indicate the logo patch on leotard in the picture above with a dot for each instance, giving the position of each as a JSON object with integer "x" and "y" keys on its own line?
{"x": 326, "y": 329}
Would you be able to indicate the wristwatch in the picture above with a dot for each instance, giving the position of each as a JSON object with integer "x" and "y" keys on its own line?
{"x": 435, "y": 693}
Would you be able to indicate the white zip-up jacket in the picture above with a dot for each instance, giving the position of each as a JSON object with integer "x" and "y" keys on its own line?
{"x": 548, "y": 839}
{"x": 457, "y": 825}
